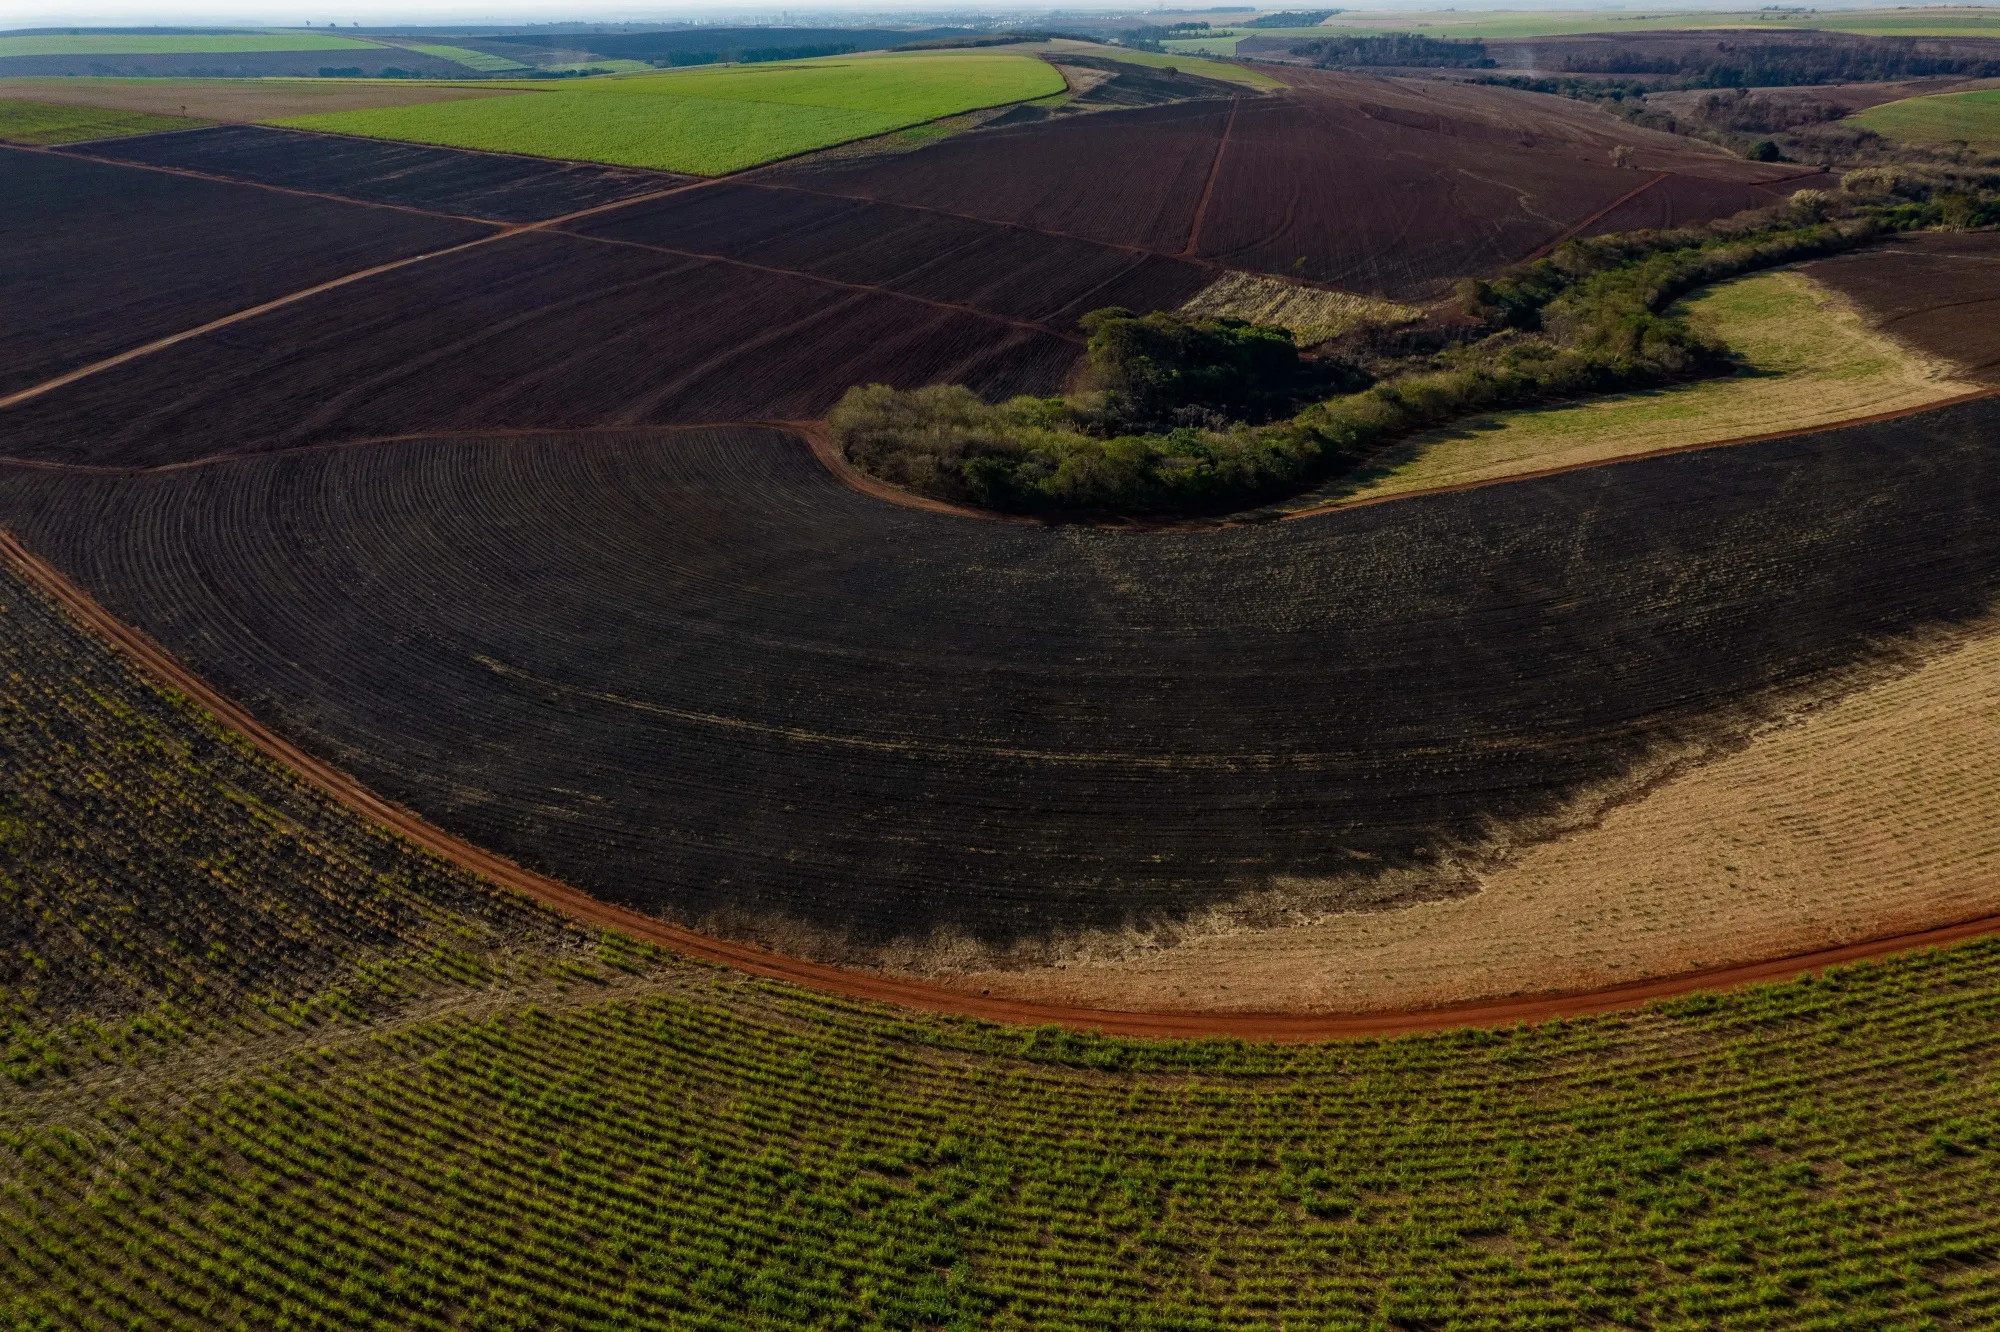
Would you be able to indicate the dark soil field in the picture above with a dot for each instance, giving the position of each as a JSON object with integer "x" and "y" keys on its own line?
{"x": 1679, "y": 200}
{"x": 691, "y": 672}
{"x": 1011, "y": 271}
{"x": 1122, "y": 177}
{"x": 441, "y": 180}
{"x": 1389, "y": 187}
{"x": 1938, "y": 291}
{"x": 102, "y": 258}
{"x": 538, "y": 330}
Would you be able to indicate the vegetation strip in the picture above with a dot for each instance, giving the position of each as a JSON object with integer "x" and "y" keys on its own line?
{"x": 165, "y": 670}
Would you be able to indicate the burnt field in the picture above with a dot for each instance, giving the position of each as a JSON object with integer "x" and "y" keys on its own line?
{"x": 689, "y": 671}
{"x": 1938, "y": 291}
{"x": 490, "y": 186}
{"x": 1375, "y": 185}
{"x": 1011, "y": 271}
{"x": 536, "y": 330}
{"x": 102, "y": 258}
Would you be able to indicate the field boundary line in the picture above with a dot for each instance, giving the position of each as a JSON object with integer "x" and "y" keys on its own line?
{"x": 153, "y": 660}
{"x": 58, "y": 151}
{"x": 803, "y": 276}
{"x": 1895, "y": 414}
{"x": 1208, "y": 186}
{"x": 501, "y": 232}
{"x": 983, "y": 221}
{"x": 1595, "y": 217}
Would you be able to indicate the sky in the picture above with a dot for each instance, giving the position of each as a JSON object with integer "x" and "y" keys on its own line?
{"x": 320, "y": 13}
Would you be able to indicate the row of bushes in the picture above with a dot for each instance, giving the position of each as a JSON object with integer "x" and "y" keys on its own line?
{"x": 1587, "y": 319}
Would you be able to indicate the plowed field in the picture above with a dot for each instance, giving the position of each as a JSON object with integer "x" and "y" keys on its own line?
{"x": 691, "y": 672}
{"x": 442, "y": 180}
{"x": 1380, "y": 186}
{"x": 537, "y": 330}
{"x": 1010, "y": 271}
{"x": 1939, "y": 292}
{"x": 101, "y": 258}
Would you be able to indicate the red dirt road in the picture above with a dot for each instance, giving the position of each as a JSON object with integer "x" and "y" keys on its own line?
{"x": 161, "y": 666}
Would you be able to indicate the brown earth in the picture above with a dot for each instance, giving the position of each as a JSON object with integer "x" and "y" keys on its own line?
{"x": 239, "y": 99}
{"x": 1939, "y": 291}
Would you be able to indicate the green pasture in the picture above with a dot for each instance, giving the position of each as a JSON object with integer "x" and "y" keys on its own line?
{"x": 1973, "y": 117}
{"x": 119, "y": 43}
{"x": 714, "y": 120}
{"x": 40, "y": 122}
{"x": 471, "y": 59}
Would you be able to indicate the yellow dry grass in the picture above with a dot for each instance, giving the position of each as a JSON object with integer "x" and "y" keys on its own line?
{"x": 1313, "y": 314}
{"x": 1872, "y": 815}
{"x": 1810, "y": 361}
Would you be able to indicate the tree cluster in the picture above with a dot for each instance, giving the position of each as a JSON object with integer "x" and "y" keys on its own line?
{"x": 1178, "y": 415}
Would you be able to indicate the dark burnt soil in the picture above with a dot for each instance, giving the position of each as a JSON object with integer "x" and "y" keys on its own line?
{"x": 691, "y": 672}
{"x": 101, "y": 258}
{"x": 1939, "y": 291}
{"x": 1392, "y": 187}
{"x": 441, "y": 180}
{"x": 537, "y": 330}
{"x": 1327, "y": 191}
{"x": 232, "y": 64}
{"x": 1125, "y": 177}
{"x": 1005, "y": 270}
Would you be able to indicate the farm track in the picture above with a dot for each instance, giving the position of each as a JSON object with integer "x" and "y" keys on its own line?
{"x": 500, "y": 233}
{"x": 62, "y": 151}
{"x": 161, "y": 666}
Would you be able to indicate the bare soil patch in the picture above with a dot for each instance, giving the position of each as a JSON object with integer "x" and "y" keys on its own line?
{"x": 239, "y": 99}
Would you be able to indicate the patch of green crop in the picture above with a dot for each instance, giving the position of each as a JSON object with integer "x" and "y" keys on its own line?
{"x": 43, "y": 122}
{"x": 115, "y": 43}
{"x": 1973, "y": 117}
{"x": 471, "y": 59}
{"x": 713, "y": 120}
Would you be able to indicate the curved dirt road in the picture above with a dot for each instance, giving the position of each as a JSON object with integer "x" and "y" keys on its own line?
{"x": 164, "y": 669}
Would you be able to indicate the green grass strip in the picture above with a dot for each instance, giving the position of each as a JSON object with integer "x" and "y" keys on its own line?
{"x": 1973, "y": 117}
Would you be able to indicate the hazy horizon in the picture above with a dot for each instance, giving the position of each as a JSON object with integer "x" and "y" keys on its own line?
{"x": 377, "y": 13}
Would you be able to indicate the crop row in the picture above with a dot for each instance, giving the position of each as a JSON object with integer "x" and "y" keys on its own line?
{"x": 692, "y": 672}
{"x": 752, "y": 1157}
{"x": 697, "y": 1150}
